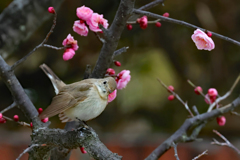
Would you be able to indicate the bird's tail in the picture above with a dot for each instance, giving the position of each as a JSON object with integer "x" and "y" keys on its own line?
{"x": 56, "y": 82}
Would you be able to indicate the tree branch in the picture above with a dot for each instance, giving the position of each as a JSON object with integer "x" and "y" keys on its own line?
{"x": 171, "y": 20}
{"x": 40, "y": 45}
{"x": 181, "y": 134}
{"x": 227, "y": 143}
{"x": 85, "y": 137}
{"x": 20, "y": 20}
{"x": 20, "y": 97}
{"x": 112, "y": 37}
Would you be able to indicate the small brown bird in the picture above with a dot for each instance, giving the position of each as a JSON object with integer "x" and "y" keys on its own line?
{"x": 82, "y": 100}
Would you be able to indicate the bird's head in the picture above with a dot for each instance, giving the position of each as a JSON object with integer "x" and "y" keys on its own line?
{"x": 109, "y": 84}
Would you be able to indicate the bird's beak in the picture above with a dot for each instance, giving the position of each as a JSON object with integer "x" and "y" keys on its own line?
{"x": 109, "y": 91}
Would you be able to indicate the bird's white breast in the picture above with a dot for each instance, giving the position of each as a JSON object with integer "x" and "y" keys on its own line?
{"x": 88, "y": 109}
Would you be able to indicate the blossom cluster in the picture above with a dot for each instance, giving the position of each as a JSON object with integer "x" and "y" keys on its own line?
{"x": 90, "y": 19}
{"x": 86, "y": 19}
{"x": 122, "y": 80}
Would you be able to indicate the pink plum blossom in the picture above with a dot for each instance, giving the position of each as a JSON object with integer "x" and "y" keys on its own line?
{"x": 95, "y": 20}
{"x": 202, "y": 40}
{"x": 84, "y": 13}
{"x": 80, "y": 28}
{"x": 112, "y": 96}
{"x": 123, "y": 79}
{"x": 68, "y": 54}
{"x": 71, "y": 42}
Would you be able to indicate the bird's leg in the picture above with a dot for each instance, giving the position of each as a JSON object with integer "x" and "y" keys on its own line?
{"x": 82, "y": 123}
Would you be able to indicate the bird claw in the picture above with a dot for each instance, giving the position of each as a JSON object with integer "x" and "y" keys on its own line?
{"x": 82, "y": 123}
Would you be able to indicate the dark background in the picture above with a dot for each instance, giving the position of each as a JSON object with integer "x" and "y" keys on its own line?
{"x": 168, "y": 53}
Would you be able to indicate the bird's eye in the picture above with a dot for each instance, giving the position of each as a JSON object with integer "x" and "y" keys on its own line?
{"x": 105, "y": 82}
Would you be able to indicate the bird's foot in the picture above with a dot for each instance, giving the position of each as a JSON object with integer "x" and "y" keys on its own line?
{"x": 82, "y": 123}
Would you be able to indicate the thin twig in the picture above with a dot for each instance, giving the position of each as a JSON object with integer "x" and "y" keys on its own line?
{"x": 120, "y": 51}
{"x": 9, "y": 107}
{"x": 19, "y": 122}
{"x": 194, "y": 86}
{"x": 175, "y": 151}
{"x": 99, "y": 38}
{"x": 149, "y": 22}
{"x": 235, "y": 113}
{"x": 171, "y": 20}
{"x": 178, "y": 97}
{"x": 53, "y": 47}
{"x": 200, "y": 155}
{"x": 225, "y": 96}
{"x": 227, "y": 143}
{"x": 195, "y": 110}
{"x": 151, "y": 4}
{"x": 40, "y": 45}
{"x": 27, "y": 150}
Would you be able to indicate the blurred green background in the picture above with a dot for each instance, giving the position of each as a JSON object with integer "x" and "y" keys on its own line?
{"x": 168, "y": 53}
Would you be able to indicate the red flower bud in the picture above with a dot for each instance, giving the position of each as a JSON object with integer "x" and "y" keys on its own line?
{"x": 170, "y": 88}
{"x": 31, "y": 125}
{"x": 3, "y": 120}
{"x": 117, "y": 63}
{"x": 129, "y": 27}
{"x": 16, "y": 118}
{"x": 158, "y": 24}
{"x": 197, "y": 89}
{"x": 171, "y": 97}
{"x": 83, "y": 150}
{"x": 209, "y": 34}
{"x": 110, "y": 71}
{"x": 166, "y": 14}
{"x": 51, "y": 10}
{"x": 1, "y": 115}
{"x": 44, "y": 120}
{"x": 221, "y": 120}
{"x": 40, "y": 110}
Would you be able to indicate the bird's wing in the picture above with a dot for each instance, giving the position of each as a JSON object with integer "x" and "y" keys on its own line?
{"x": 68, "y": 97}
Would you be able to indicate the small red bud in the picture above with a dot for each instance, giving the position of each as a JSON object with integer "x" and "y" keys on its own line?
{"x": 110, "y": 71}
{"x": 209, "y": 34}
{"x": 31, "y": 125}
{"x": 16, "y": 118}
{"x": 51, "y": 10}
{"x": 1, "y": 115}
{"x": 44, "y": 120}
{"x": 171, "y": 97}
{"x": 129, "y": 27}
{"x": 158, "y": 24}
{"x": 40, "y": 110}
{"x": 197, "y": 89}
{"x": 166, "y": 14}
{"x": 212, "y": 92}
{"x": 117, "y": 63}
{"x": 170, "y": 88}
{"x": 221, "y": 120}
{"x": 3, "y": 120}
{"x": 83, "y": 150}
